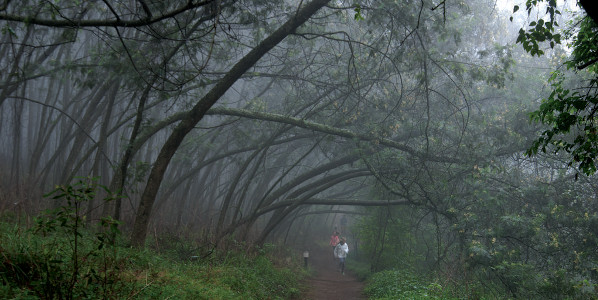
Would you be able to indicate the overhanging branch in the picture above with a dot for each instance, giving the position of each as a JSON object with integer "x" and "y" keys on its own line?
{"x": 339, "y": 202}
{"x": 327, "y": 129}
{"x": 117, "y": 22}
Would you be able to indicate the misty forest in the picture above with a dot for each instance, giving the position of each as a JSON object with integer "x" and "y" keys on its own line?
{"x": 209, "y": 149}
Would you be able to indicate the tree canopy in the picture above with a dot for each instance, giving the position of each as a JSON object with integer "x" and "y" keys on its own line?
{"x": 265, "y": 121}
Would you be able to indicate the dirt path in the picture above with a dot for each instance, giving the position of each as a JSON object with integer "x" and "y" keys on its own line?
{"x": 327, "y": 283}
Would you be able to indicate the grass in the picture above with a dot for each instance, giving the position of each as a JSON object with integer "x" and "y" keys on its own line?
{"x": 403, "y": 284}
{"x": 60, "y": 257}
{"x": 42, "y": 266}
{"x": 394, "y": 284}
{"x": 360, "y": 269}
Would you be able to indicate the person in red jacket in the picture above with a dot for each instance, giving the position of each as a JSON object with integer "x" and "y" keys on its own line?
{"x": 334, "y": 241}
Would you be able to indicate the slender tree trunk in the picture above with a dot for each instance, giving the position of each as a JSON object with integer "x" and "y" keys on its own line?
{"x": 101, "y": 148}
{"x": 16, "y": 147}
{"x": 45, "y": 127}
{"x": 249, "y": 182}
{"x": 66, "y": 132}
{"x": 120, "y": 175}
{"x": 184, "y": 205}
{"x": 87, "y": 120}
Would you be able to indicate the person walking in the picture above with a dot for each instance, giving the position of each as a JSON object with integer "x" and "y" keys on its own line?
{"x": 341, "y": 250}
{"x": 334, "y": 241}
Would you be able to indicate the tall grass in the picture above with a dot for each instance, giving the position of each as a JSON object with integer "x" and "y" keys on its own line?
{"x": 62, "y": 258}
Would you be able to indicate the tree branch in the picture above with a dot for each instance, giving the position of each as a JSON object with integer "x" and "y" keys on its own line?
{"x": 146, "y": 9}
{"x": 199, "y": 110}
{"x": 106, "y": 23}
{"x": 340, "y": 202}
{"x": 327, "y": 129}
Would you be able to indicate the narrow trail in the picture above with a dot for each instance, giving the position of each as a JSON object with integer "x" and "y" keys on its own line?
{"x": 327, "y": 283}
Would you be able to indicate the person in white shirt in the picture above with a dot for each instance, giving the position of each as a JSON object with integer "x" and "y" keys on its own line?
{"x": 341, "y": 251}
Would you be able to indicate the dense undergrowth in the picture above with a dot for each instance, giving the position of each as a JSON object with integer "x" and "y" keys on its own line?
{"x": 549, "y": 256}
{"x": 399, "y": 283}
{"x": 393, "y": 284}
{"x": 37, "y": 266}
{"x": 61, "y": 258}
{"x": 402, "y": 284}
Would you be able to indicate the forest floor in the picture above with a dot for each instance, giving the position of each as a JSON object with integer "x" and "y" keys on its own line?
{"x": 327, "y": 282}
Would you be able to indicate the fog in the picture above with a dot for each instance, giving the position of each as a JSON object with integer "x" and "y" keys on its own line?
{"x": 268, "y": 121}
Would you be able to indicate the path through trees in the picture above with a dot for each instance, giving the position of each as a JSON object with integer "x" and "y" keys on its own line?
{"x": 328, "y": 283}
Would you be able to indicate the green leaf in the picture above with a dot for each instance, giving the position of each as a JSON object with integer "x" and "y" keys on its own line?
{"x": 358, "y": 16}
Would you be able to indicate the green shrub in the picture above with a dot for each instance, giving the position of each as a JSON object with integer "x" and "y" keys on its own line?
{"x": 28, "y": 272}
{"x": 230, "y": 275}
{"x": 59, "y": 257}
{"x": 359, "y": 268}
{"x": 395, "y": 284}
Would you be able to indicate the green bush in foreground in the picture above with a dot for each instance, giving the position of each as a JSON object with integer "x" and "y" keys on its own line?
{"x": 394, "y": 284}
{"x": 231, "y": 275}
{"x": 59, "y": 258}
{"x": 28, "y": 272}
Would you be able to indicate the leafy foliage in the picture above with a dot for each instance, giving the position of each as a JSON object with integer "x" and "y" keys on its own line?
{"x": 570, "y": 109}
{"x": 541, "y": 30}
{"x": 394, "y": 284}
{"x": 61, "y": 258}
{"x": 231, "y": 275}
{"x": 387, "y": 239}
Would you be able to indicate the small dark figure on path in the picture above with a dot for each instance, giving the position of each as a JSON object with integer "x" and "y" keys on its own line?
{"x": 305, "y": 257}
{"x": 344, "y": 224}
{"x": 341, "y": 250}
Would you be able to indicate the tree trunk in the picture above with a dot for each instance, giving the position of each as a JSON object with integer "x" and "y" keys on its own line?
{"x": 87, "y": 120}
{"x": 16, "y": 150}
{"x": 101, "y": 150}
{"x": 46, "y": 126}
{"x": 120, "y": 174}
{"x": 591, "y": 8}
{"x": 198, "y": 111}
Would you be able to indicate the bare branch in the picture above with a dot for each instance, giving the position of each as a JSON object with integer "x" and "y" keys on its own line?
{"x": 329, "y": 130}
{"x": 5, "y": 5}
{"x": 112, "y": 10}
{"x": 339, "y": 202}
{"x": 147, "y": 10}
{"x": 104, "y": 23}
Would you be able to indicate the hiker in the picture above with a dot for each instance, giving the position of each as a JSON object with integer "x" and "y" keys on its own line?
{"x": 334, "y": 241}
{"x": 341, "y": 251}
